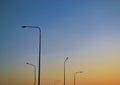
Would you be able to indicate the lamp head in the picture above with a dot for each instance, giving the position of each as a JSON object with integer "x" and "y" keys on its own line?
{"x": 66, "y": 58}
{"x": 27, "y": 63}
{"x": 81, "y": 71}
{"x": 23, "y": 26}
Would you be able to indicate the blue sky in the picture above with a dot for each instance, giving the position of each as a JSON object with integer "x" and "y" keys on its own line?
{"x": 82, "y": 29}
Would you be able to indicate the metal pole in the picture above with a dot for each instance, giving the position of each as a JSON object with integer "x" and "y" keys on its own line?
{"x": 64, "y": 70}
{"x": 64, "y": 73}
{"x": 39, "y": 56}
{"x": 74, "y": 78}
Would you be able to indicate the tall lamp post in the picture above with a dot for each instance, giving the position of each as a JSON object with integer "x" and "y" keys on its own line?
{"x": 75, "y": 76}
{"x": 39, "y": 49}
{"x": 64, "y": 69}
{"x": 34, "y": 72}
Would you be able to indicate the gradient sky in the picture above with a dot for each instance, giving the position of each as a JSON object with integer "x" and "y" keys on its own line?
{"x": 86, "y": 31}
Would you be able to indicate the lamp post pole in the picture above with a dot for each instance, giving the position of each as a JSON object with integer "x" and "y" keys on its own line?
{"x": 39, "y": 49}
{"x": 75, "y": 76}
{"x": 64, "y": 69}
{"x": 34, "y": 72}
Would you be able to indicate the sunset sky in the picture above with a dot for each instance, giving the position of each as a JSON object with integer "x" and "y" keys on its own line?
{"x": 86, "y": 31}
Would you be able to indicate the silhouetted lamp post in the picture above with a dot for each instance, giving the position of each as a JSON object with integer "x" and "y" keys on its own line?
{"x": 39, "y": 49}
{"x": 75, "y": 76}
{"x": 34, "y": 72}
{"x": 64, "y": 69}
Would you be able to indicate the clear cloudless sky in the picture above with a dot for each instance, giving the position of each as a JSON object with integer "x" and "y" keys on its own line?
{"x": 86, "y": 31}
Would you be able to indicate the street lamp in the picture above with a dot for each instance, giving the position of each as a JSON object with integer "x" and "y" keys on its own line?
{"x": 75, "y": 76}
{"x": 34, "y": 71}
{"x": 39, "y": 49}
{"x": 64, "y": 69}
